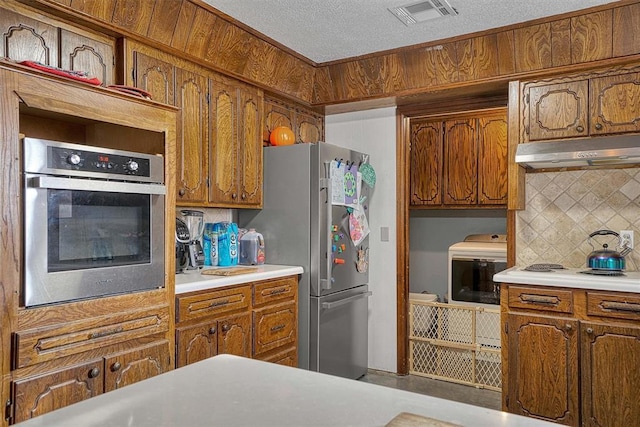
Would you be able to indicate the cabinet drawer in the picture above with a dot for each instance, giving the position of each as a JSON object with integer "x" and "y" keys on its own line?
{"x": 43, "y": 344}
{"x": 619, "y": 306}
{"x": 212, "y": 303}
{"x": 274, "y": 327}
{"x": 542, "y": 299}
{"x": 274, "y": 290}
{"x": 288, "y": 357}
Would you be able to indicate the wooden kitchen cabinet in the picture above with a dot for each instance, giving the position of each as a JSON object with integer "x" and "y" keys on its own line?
{"x": 571, "y": 355}
{"x": 459, "y": 161}
{"x": 39, "y": 394}
{"x": 581, "y": 105}
{"x": 236, "y": 143}
{"x": 31, "y": 36}
{"x": 258, "y": 320}
{"x": 307, "y": 125}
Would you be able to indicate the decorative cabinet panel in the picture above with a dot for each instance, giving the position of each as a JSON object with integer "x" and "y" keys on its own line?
{"x": 274, "y": 326}
{"x": 37, "y": 395}
{"x": 229, "y": 335}
{"x": 307, "y": 125}
{"x": 581, "y": 106}
{"x": 236, "y": 144}
{"x": 459, "y": 161}
{"x": 135, "y": 365}
{"x": 28, "y": 38}
{"x": 155, "y": 76}
{"x": 571, "y": 355}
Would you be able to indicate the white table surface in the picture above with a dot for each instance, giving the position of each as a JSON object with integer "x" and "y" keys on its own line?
{"x": 571, "y": 278}
{"x": 194, "y": 280}
{"x": 233, "y": 391}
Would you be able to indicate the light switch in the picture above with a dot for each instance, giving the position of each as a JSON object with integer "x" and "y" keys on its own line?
{"x": 384, "y": 234}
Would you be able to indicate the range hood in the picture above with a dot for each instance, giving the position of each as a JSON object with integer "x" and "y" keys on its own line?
{"x": 600, "y": 151}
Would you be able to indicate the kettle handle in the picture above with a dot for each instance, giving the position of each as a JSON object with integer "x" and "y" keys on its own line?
{"x": 604, "y": 233}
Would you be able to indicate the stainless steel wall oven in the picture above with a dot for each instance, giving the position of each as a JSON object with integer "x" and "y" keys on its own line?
{"x": 93, "y": 222}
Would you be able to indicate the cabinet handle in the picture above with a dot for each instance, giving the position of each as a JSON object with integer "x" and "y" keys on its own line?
{"x": 539, "y": 299}
{"x": 212, "y": 330}
{"x": 94, "y": 373}
{"x": 278, "y": 291}
{"x": 100, "y": 334}
{"x": 589, "y": 331}
{"x": 116, "y": 366}
{"x": 580, "y": 129}
{"x": 598, "y": 126}
{"x": 620, "y": 306}
{"x": 244, "y": 196}
{"x": 181, "y": 192}
{"x": 234, "y": 196}
{"x": 277, "y": 328}
{"x": 568, "y": 327}
{"x": 219, "y": 303}
{"x": 226, "y": 327}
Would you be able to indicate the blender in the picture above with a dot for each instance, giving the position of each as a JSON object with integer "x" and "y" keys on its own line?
{"x": 195, "y": 224}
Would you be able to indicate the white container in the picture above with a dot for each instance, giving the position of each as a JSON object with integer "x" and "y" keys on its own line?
{"x": 252, "y": 248}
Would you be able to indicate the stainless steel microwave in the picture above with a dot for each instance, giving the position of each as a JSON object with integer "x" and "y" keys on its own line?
{"x": 93, "y": 222}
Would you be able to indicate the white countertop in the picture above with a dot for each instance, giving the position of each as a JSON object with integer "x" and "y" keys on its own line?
{"x": 194, "y": 280}
{"x": 571, "y": 278}
{"x": 233, "y": 391}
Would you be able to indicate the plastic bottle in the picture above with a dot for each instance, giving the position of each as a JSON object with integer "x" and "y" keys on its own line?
{"x": 252, "y": 248}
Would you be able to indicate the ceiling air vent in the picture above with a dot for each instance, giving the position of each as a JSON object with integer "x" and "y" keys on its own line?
{"x": 423, "y": 11}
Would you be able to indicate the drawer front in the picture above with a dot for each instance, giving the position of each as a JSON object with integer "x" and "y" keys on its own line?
{"x": 274, "y": 327}
{"x": 619, "y": 306}
{"x": 275, "y": 291}
{"x": 541, "y": 299}
{"x": 288, "y": 357}
{"x": 43, "y": 344}
{"x": 212, "y": 303}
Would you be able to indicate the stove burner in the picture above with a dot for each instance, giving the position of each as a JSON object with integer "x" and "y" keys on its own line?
{"x": 610, "y": 273}
{"x": 543, "y": 268}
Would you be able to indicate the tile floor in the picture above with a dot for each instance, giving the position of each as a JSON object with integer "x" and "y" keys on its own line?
{"x": 437, "y": 388}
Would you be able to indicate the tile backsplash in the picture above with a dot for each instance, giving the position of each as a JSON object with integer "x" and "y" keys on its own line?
{"x": 563, "y": 208}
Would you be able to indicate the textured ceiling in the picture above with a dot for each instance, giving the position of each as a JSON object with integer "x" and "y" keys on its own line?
{"x": 327, "y": 30}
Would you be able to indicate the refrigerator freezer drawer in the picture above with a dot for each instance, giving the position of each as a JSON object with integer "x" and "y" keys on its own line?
{"x": 339, "y": 333}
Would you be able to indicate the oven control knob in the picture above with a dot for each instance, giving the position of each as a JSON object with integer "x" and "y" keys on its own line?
{"x": 131, "y": 166}
{"x": 73, "y": 159}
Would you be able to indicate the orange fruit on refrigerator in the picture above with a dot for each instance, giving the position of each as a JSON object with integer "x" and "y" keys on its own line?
{"x": 282, "y": 135}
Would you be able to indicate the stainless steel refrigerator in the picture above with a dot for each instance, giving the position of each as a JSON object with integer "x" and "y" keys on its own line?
{"x": 301, "y": 226}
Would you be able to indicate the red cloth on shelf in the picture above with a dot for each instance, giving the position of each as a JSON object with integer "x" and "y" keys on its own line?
{"x": 80, "y": 76}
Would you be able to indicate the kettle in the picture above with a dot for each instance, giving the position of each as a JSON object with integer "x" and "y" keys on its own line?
{"x": 606, "y": 259}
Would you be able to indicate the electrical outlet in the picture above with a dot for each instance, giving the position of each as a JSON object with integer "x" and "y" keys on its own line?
{"x": 626, "y": 238}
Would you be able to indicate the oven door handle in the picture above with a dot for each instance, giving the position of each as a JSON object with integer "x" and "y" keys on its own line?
{"x": 57, "y": 183}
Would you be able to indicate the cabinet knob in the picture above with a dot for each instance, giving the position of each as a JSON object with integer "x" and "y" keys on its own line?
{"x": 94, "y": 373}
{"x": 226, "y": 327}
{"x": 115, "y": 366}
{"x": 580, "y": 129}
{"x": 568, "y": 327}
{"x": 213, "y": 330}
{"x": 244, "y": 196}
{"x": 598, "y": 126}
{"x": 234, "y": 196}
{"x": 589, "y": 330}
{"x": 182, "y": 192}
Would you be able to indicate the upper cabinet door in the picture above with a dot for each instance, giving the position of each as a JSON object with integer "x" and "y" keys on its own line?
{"x": 492, "y": 160}
{"x": 25, "y": 39}
{"x": 426, "y": 162}
{"x": 80, "y": 53}
{"x": 614, "y": 104}
{"x": 251, "y": 105}
{"x": 192, "y": 137}
{"x": 156, "y": 77}
{"x": 460, "y": 162}
{"x": 558, "y": 110}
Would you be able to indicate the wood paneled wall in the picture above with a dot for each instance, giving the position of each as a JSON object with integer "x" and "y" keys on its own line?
{"x": 603, "y": 35}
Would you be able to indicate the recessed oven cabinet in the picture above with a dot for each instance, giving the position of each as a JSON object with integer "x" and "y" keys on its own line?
{"x": 93, "y": 222}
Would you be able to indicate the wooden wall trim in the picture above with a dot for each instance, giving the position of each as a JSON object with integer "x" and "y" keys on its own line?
{"x": 596, "y": 37}
{"x": 402, "y": 244}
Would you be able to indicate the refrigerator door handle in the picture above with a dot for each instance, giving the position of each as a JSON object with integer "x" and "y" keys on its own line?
{"x": 325, "y": 184}
{"x": 334, "y": 304}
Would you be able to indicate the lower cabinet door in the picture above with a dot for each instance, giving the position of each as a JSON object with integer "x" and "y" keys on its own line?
{"x": 136, "y": 365}
{"x": 274, "y": 326}
{"x": 287, "y": 357}
{"x": 234, "y": 335}
{"x": 40, "y": 394}
{"x": 543, "y": 368}
{"x": 195, "y": 343}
